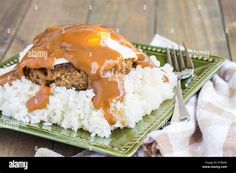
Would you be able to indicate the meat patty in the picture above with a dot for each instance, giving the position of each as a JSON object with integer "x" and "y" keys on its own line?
{"x": 66, "y": 75}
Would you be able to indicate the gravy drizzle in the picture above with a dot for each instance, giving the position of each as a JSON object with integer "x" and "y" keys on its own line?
{"x": 83, "y": 46}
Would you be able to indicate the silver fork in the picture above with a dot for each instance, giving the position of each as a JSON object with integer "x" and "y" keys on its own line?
{"x": 183, "y": 68}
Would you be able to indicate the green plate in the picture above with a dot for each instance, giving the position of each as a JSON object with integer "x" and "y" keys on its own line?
{"x": 123, "y": 142}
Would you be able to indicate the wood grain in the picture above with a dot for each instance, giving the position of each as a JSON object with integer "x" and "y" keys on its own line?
{"x": 196, "y": 22}
{"x": 229, "y": 13}
{"x": 10, "y": 21}
{"x": 133, "y": 18}
{"x": 66, "y": 150}
{"x": 45, "y": 13}
{"x": 18, "y": 144}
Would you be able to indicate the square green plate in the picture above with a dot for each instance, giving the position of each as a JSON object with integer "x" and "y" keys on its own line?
{"x": 123, "y": 142}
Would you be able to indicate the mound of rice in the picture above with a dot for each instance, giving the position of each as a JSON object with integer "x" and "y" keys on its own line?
{"x": 70, "y": 109}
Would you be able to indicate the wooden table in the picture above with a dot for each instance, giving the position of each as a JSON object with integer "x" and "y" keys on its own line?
{"x": 205, "y": 25}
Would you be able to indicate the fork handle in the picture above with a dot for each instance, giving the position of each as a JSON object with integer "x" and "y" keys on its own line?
{"x": 182, "y": 111}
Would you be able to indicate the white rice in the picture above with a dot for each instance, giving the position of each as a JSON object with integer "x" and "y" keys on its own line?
{"x": 70, "y": 109}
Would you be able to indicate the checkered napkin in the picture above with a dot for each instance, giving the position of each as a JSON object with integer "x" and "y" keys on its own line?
{"x": 211, "y": 130}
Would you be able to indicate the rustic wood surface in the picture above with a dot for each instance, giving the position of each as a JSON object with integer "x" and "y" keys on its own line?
{"x": 205, "y": 25}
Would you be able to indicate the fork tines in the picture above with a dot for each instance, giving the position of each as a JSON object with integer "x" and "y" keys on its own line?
{"x": 188, "y": 59}
{"x": 181, "y": 60}
{"x": 178, "y": 60}
{"x": 175, "y": 61}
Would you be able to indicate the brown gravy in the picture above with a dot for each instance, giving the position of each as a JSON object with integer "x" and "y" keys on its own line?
{"x": 81, "y": 45}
